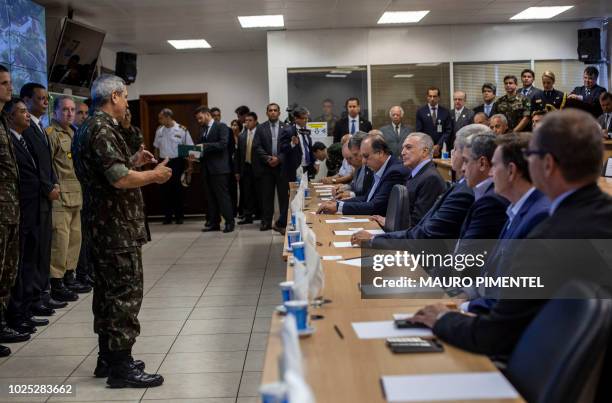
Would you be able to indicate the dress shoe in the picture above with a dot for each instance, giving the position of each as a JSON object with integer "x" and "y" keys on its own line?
{"x": 179, "y": 221}
{"x": 5, "y": 351}
{"x": 229, "y": 228}
{"x": 10, "y": 335}
{"x": 85, "y": 279}
{"x": 59, "y": 292}
{"x": 127, "y": 375}
{"x": 53, "y": 304}
{"x": 41, "y": 310}
{"x": 278, "y": 229}
{"x": 36, "y": 322}
{"x": 16, "y": 331}
{"x": 78, "y": 287}
{"x": 103, "y": 369}
{"x": 245, "y": 221}
{"x": 265, "y": 226}
{"x": 211, "y": 229}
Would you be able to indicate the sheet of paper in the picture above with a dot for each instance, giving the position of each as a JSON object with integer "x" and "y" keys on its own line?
{"x": 344, "y": 233}
{"x": 332, "y": 257}
{"x": 459, "y": 386}
{"x": 342, "y": 244}
{"x": 351, "y": 231}
{"x": 352, "y": 262}
{"x": 325, "y": 199}
{"x": 402, "y": 316}
{"x": 346, "y": 220}
{"x": 608, "y": 173}
{"x": 384, "y": 329}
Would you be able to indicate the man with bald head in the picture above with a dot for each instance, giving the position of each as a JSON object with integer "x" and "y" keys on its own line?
{"x": 460, "y": 115}
{"x": 396, "y": 132}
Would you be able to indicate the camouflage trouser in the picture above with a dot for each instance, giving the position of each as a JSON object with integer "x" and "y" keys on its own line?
{"x": 117, "y": 296}
{"x": 9, "y": 260}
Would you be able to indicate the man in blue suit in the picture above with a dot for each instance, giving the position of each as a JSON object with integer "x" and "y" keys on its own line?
{"x": 435, "y": 120}
{"x": 388, "y": 172}
{"x": 444, "y": 219}
{"x": 528, "y": 207}
{"x": 296, "y": 145}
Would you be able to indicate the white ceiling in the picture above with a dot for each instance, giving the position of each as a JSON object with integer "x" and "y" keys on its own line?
{"x": 144, "y": 26}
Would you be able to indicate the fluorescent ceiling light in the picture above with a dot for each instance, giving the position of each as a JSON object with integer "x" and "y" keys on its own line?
{"x": 262, "y": 21}
{"x": 335, "y": 75}
{"x": 540, "y": 13}
{"x": 340, "y": 72}
{"x": 402, "y": 17}
{"x": 403, "y": 76}
{"x": 189, "y": 44}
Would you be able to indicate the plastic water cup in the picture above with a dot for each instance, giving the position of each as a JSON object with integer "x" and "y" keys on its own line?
{"x": 292, "y": 237}
{"x": 298, "y": 251}
{"x": 299, "y": 309}
{"x": 445, "y": 155}
{"x": 274, "y": 393}
{"x": 306, "y": 192}
{"x": 293, "y": 220}
{"x": 286, "y": 290}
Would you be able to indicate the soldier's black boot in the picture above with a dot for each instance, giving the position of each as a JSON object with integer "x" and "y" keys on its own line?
{"x": 103, "y": 367}
{"x": 60, "y": 293}
{"x": 125, "y": 374}
{"x": 75, "y": 285}
{"x": 5, "y": 351}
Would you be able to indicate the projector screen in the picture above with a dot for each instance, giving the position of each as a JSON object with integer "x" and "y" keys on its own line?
{"x": 23, "y": 44}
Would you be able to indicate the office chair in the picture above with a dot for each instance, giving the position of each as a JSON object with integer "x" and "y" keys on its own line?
{"x": 398, "y": 210}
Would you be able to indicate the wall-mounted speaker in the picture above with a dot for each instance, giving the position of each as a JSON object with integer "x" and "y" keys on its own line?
{"x": 589, "y": 45}
{"x": 125, "y": 66}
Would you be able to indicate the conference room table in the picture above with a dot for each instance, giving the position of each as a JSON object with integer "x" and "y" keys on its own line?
{"x": 340, "y": 367}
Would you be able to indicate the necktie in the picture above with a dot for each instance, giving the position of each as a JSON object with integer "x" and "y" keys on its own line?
{"x": 457, "y": 115}
{"x": 205, "y": 133}
{"x": 249, "y": 146}
{"x": 42, "y": 130}
{"x": 487, "y": 109}
{"x": 25, "y": 146}
{"x": 353, "y": 129}
{"x": 306, "y": 148}
{"x": 434, "y": 115}
{"x": 397, "y": 130}
{"x": 274, "y": 139}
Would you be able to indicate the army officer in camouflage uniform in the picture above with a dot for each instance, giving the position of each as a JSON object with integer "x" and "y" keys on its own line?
{"x": 516, "y": 107}
{"x": 114, "y": 224}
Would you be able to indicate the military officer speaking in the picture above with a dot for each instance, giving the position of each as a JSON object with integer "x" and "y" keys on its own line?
{"x": 114, "y": 222}
{"x": 168, "y": 137}
{"x": 66, "y": 213}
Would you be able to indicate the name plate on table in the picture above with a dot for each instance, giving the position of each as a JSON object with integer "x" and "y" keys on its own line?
{"x": 317, "y": 129}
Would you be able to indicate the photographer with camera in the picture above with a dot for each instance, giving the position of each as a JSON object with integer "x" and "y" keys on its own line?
{"x": 300, "y": 142}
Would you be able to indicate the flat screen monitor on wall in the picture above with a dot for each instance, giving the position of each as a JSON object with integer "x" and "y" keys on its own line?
{"x": 23, "y": 44}
{"x": 76, "y": 57}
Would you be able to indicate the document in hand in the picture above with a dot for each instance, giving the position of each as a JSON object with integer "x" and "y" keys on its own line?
{"x": 436, "y": 387}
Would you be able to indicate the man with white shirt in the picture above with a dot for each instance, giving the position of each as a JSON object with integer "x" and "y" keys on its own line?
{"x": 353, "y": 123}
{"x": 247, "y": 160}
{"x": 395, "y": 133}
{"x": 489, "y": 91}
{"x": 301, "y": 116}
{"x": 36, "y": 99}
{"x": 460, "y": 115}
{"x": 168, "y": 137}
{"x": 435, "y": 120}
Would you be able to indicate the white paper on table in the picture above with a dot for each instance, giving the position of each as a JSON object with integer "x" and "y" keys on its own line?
{"x": 342, "y": 244}
{"x": 352, "y": 262}
{"x": 458, "y": 386}
{"x": 325, "y": 199}
{"x": 402, "y": 316}
{"x": 356, "y": 229}
{"x": 352, "y": 231}
{"x": 375, "y": 231}
{"x": 332, "y": 257}
{"x": 608, "y": 172}
{"x": 384, "y": 329}
{"x": 344, "y": 232}
{"x": 347, "y": 220}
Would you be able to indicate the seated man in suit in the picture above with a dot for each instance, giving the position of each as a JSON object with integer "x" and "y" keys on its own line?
{"x": 528, "y": 207}
{"x": 435, "y": 120}
{"x": 395, "y": 132}
{"x": 363, "y": 177}
{"x": 498, "y": 124}
{"x": 353, "y": 123}
{"x": 564, "y": 157}
{"x": 388, "y": 171}
{"x": 605, "y": 120}
{"x": 481, "y": 119}
{"x": 489, "y": 91}
{"x": 444, "y": 219}
{"x": 345, "y": 173}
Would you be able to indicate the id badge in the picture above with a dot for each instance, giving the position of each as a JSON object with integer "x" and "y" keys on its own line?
{"x": 439, "y": 127}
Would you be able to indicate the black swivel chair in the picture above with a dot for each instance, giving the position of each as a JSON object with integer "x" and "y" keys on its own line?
{"x": 558, "y": 358}
{"x": 398, "y": 210}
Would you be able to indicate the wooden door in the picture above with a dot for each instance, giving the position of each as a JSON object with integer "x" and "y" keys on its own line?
{"x": 183, "y": 106}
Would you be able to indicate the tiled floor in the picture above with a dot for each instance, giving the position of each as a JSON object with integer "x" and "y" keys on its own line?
{"x": 205, "y": 317}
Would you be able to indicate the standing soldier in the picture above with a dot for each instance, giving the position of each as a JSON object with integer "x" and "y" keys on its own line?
{"x": 516, "y": 107}
{"x": 9, "y": 213}
{"x": 114, "y": 222}
{"x": 66, "y": 219}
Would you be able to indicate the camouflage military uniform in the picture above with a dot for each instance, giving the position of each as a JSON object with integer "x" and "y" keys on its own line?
{"x": 114, "y": 222}
{"x": 514, "y": 107}
{"x": 9, "y": 214}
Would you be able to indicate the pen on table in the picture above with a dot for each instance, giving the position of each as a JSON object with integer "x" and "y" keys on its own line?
{"x": 338, "y": 332}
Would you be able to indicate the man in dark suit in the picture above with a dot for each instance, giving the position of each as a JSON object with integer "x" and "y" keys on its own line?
{"x": 19, "y": 316}
{"x": 291, "y": 150}
{"x": 249, "y": 167}
{"x": 528, "y": 208}
{"x": 363, "y": 177}
{"x": 215, "y": 169}
{"x": 445, "y": 218}
{"x": 460, "y": 115}
{"x": 489, "y": 90}
{"x": 274, "y": 175}
{"x": 353, "y": 123}
{"x": 388, "y": 171}
{"x": 564, "y": 163}
{"x": 528, "y": 90}
{"x": 435, "y": 120}
{"x": 303, "y": 157}
{"x": 605, "y": 120}
{"x": 590, "y": 92}
{"x": 36, "y": 99}
{"x": 396, "y": 132}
